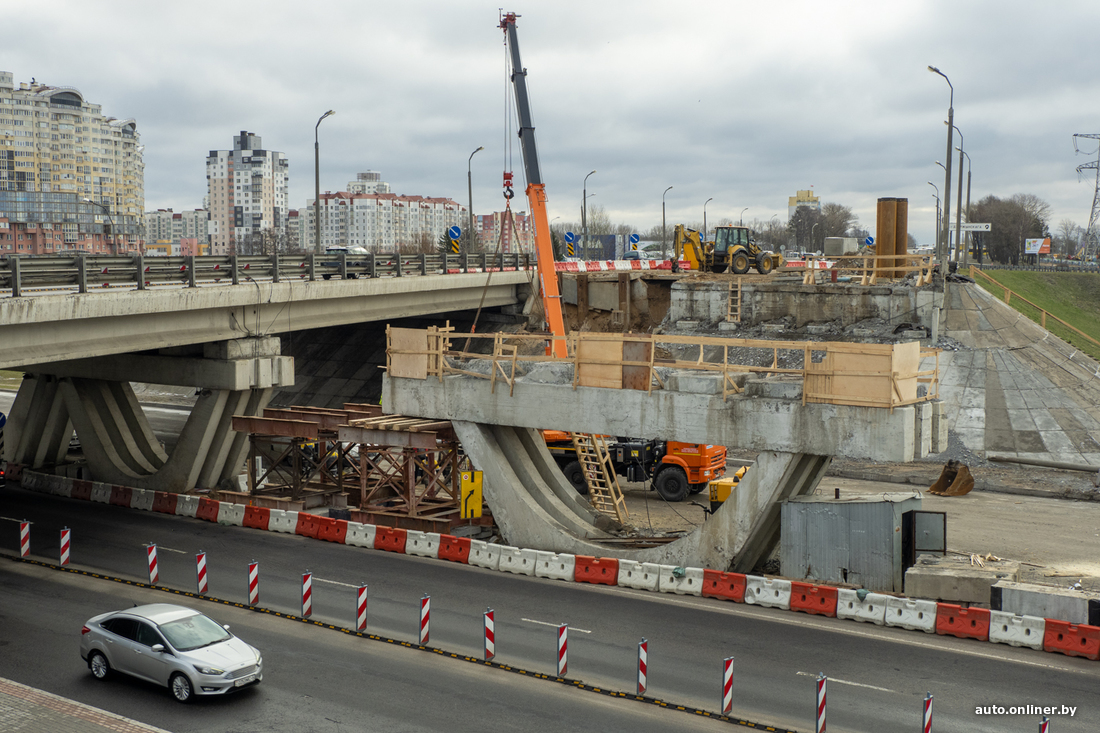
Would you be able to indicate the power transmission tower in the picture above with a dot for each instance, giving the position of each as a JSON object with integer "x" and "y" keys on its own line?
{"x": 1090, "y": 247}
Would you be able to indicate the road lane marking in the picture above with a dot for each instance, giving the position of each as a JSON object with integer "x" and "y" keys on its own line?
{"x": 333, "y": 582}
{"x": 846, "y": 682}
{"x": 547, "y": 623}
{"x": 169, "y": 549}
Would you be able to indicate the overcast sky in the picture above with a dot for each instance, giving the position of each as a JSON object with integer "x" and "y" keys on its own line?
{"x": 745, "y": 102}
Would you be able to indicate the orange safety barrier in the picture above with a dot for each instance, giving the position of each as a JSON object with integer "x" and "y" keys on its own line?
{"x": 819, "y": 600}
{"x": 390, "y": 539}
{"x": 81, "y": 490}
{"x": 1075, "y": 640}
{"x": 965, "y": 623}
{"x": 455, "y": 549}
{"x": 121, "y": 495}
{"x": 208, "y": 510}
{"x": 308, "y": 525}
{"x": 332, "y": 530}
{"x": 730, "y": 586}
{"x": 164, "y": 502}
{"x": 599, "y": 570}
{"x": 256, "y": 517}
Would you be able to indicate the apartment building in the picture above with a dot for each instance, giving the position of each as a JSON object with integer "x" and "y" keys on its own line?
{"x": 175, "y": 233}
{"x": 496, "y": 233}
{"x": 71, "y": 178}
{"x": 247, "y": 191}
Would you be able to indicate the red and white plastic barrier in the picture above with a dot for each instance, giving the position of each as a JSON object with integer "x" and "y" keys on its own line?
{"x": 490, "y": 635}
{"x": 643, "y": 666}
{"x": 200, "y": 572}
{"x": 425, "y": 619}
{"x": 361, "y": 608}
{"x": 24, "y": 539}
{"x": 926, "y": 715}
{"x": 727, "y": 685}
{"x": 253, "y": 583}
{"x": 151, "y": 556}
{"x": 307, "y": 594}
{"x": 819, "y": 725}
{"x": 66, "y": 536}
{"x": 563, "y": 650}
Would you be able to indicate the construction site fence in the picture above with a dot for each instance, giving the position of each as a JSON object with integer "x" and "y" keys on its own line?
{"x": 21, "y": 274}
{"x": 869, "y": 268}
{"x": 1044, "y": 318}
{"x": 840, "y": 373}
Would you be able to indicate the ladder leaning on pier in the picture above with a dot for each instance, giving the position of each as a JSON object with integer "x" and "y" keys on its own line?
{"x": 603, "y": 485}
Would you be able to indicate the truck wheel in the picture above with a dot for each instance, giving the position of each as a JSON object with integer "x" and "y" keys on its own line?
{"x": 764, "y": 263}
{"x": 574, "y": 474}
{"x": 672, "y": 484}
{"x": 740, "y": 263}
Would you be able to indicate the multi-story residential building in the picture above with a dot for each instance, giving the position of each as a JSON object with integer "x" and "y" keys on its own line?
{"x": 495, "y": 233}
{"x": 293, "y": 230}
{"x": 248, "y": 194}
{"x": 368, "y": 215}
{"x": 68, "y": 173}
{"x": 171, "y": 233}
{"x": 800, "y": 199}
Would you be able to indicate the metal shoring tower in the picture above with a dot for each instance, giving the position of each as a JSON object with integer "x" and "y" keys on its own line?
{"x": 1090, "y": 247}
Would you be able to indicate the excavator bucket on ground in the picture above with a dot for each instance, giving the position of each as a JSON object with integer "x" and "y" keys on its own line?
{"x": 954, "y": 480}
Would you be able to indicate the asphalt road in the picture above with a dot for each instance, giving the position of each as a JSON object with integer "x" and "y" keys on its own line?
{"x": 878, "y": 676}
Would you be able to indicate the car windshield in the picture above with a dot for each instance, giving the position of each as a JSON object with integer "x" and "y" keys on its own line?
{"x": 193, "y": 632}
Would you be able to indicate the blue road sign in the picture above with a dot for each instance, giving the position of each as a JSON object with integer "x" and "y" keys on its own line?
{"x": 570, "y": 237}
{"x": 634, "y": 238}
{"x": 870, "y": 241}
{"x": 454, "y": 232}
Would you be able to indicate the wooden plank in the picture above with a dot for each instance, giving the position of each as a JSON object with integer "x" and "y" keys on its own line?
{"x": 593, "y": 367}
{"x": 408, "y": 353}
{"x": 273, "y": 427}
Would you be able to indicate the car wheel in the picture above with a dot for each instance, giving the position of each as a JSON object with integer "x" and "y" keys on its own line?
{"x": 353, "y": 276}
{"x": 100, "y": 667}
{"x": 672, "y": 484}
{"x": 181, "y": 688}
{"x": 574, "y": 474}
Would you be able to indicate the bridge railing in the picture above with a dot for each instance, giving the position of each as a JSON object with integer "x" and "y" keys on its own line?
{"x": 31, "y": 274}
{"x": 839, "y": 373}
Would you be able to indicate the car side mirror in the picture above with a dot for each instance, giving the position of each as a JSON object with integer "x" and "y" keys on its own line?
{"x": 158, "y": 648}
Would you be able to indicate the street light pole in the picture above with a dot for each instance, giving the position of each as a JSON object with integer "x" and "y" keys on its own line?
{"x": 584, "y": 214}
{"x": 742, "y": 217}
{"x": 959, "y": 203}
{"x": 664, "y": 235}
{"x": 937, "y": 197}
{"x": 470, "y": 186}
{"x": 114, "y": 232}
{"x": 969, "y": 235}
{"x": 947, "y": 168}
{"x": 705, "y": 218}
{"x": 813, "y": 241}
{"x": 317, "y": 184}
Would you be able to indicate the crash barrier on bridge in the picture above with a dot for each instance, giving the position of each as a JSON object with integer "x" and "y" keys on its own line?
{"x": 616, "y": 265}
{"x": 423, "y": 544}
{"x": 1008, "y": 628}
{"x": 1051, "y": 635}
{"x": 87, "y": 273}
{"x": 871, "y": 607}
{"x": 965, "y": 623}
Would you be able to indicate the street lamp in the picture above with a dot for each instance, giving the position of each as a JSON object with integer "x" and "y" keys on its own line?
{"x": 317, "y": 184}
{"x": 959, "y": 203}
{"x": 936, "y": 195}
{"x": 813, "y": 240}
{"x": 969, "y": 235}
{"x": 584, "y": 214}
{"x": 114, "y": 246}
{"x": 470, "y": 186}
{"x": 705, "y": 218}
{"x": 664, "y": 236}
{"x": 742, "y": 217}
{"x": 947, "y": 168}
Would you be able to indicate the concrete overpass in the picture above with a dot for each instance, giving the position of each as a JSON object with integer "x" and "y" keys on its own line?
{"x": 80, "y": 351}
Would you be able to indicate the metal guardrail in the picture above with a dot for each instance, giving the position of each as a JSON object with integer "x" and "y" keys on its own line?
{"x": 22, "y": 274}
{"x": 1040, "y": 268}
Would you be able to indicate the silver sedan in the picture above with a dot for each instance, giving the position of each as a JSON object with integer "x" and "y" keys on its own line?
{"x": 170, "y": 645}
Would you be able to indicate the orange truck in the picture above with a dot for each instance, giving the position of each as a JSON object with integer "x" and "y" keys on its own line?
{"x": 674, "y": 469}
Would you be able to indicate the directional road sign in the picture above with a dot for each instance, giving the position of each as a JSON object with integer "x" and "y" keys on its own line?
{"x": 454, "y": 232}
{"x": 973, "y": 227}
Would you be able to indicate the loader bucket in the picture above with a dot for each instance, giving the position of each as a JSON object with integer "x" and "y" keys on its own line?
{"x": 954, "y": 480}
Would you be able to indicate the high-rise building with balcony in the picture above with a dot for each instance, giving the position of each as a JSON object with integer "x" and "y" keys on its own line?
{"x": 247, "y": 192}
{"x": 67, "y": 173}
{"x": 173, "y": 233}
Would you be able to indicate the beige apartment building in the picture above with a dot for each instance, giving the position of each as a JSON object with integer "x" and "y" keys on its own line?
{"x": 247, "y": 197}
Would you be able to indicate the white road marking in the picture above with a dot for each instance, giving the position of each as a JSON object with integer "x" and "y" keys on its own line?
{"x": 547, "y": 623}
{"x": 334, "y": 582}
{"x": 162, "y": 548}
{"x": 846, "y": 682}
{"x": 13, "y": 519}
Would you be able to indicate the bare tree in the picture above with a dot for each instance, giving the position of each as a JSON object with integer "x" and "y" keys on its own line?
{"x": 837, "y": 220}
{"x": 1065, "y": 241}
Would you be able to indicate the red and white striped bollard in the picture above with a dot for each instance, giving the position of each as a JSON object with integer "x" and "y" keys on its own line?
{"x": 926, "y": 716}
{"x": 361, "y": 608}
{"x": 24, "y": 538}
{"x": 1044, "y": 725}
{"x": 727, "y": 685}
{"x": 490, "y": 635}
{"x": 819, "y": 725}
{"x": 253, "y": 583}
{"x": 151, "y": 556}
{"x": 200, "y": 572}
{"x": 425, "y": 618}
{"x": 643, "y": 666}
{"x": 65, "y": 544}
{"x": 563, "y": 650}
{"x": 307, "y": 594}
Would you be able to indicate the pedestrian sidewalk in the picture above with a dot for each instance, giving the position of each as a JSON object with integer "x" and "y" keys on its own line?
{"x": 27, "y": 710}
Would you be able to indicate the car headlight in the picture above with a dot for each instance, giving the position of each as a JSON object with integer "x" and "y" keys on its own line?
{"x": 209, "y": 670}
